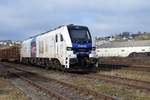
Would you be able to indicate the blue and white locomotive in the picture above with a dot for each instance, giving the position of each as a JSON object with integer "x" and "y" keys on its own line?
{"x": 66, "y": 47}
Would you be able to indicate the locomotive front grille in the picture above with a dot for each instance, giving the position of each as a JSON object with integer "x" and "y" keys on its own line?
{"x": 81, "y": 50}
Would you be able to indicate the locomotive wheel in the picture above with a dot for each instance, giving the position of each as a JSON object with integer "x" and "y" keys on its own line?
{"x": 48, "y": 65}
{"x": 56, "y": 64}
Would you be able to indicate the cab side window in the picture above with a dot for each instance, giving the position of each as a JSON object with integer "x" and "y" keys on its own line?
{"x": 56, "y": 38}
{"x": 61, "y": 37}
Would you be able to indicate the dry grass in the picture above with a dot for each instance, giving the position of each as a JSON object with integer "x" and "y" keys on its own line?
{"x": 138, "y": 75}
{"x": 9, "y": 92}
{"x": 123, "y": 93}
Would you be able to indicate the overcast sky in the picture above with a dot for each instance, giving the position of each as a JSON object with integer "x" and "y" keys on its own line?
{"x": 20, "y": 19}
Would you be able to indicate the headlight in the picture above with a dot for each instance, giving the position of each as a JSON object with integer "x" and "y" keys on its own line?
{"x": 93, "y": 48}
{"x": 69, "y": 48}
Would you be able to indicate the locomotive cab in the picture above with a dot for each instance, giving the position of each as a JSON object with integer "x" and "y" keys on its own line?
{"x": 81, "y": 54}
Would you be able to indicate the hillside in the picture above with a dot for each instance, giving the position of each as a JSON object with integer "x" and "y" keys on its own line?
{"x": 125, "y": 36}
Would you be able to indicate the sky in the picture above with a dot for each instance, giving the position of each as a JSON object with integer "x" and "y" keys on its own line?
{"x": 20, "y": 19}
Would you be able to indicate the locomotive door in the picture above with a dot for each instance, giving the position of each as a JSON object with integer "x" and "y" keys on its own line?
{"x": 59, "y": 46}
{"x": 56, "y": 45}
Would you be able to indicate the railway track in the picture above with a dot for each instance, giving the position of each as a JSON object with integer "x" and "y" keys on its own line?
{"x": 137, "y": 84}
{"x": 143, "y": 85}
{"x": 58, "y": 89}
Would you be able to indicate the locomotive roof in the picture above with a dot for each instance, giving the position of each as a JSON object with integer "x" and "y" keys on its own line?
{"x": 125, "y": 44}
{"x": 69, "y": 25}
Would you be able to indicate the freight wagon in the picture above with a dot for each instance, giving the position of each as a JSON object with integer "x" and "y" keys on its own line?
{"x": 66, "y": 47}
{"x": 124, "y": 49}
{"x": 10, "y": 53}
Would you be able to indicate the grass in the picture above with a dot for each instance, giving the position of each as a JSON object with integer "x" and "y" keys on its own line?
{"x": 138, "y": 75}
{"x": 123, "y": 93}
{"x": 143, "y": 37}
{"x": 9, "y": 92}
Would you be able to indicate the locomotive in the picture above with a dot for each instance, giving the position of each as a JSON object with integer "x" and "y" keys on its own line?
{"x": 68, "y": 47}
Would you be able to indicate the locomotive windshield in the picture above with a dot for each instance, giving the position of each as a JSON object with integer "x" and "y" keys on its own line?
{"x": 78, "y": 33}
